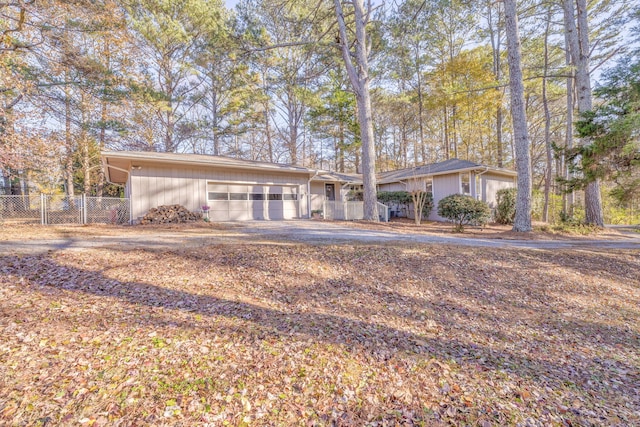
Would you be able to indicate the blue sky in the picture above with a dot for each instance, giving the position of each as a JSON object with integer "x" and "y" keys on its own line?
{"x": 230, "y": 3}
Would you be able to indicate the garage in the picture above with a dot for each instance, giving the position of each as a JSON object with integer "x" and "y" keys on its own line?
{"x": 233, "y": 202}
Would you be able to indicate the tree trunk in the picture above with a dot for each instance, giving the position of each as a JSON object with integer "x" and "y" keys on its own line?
{"x": 522, "y": 221}
{"x": 497, "y": 71}
{"x": 568, "y": 199}
{"x": 420, "y": 106}
{"x": 359, "y": 78}
{"x": 447, "y": 154}
{"x": 68, "y": 139}
{"x": 578, "y": 36}
{"x": 547, "y": 123}
{"x": 215, "y": 135}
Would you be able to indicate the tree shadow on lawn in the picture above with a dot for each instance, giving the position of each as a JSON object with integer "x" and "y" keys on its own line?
{"x": 379, "y": 340}
{"x": 532, "y": 289}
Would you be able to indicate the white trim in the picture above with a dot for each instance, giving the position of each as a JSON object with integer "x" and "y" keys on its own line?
{"x": 223, "y": 163}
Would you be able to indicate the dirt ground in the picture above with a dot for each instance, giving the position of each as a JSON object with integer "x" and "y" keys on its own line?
{"x": 277, "y": 331}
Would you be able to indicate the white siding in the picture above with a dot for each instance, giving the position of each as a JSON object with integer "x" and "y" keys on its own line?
{"x": 393, "y": 186}
{"x": 317, "y": 195}
{"x": 154, "y": 185}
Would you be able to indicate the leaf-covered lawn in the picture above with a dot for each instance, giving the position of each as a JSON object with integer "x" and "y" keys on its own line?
{"x": 278, "y": 334}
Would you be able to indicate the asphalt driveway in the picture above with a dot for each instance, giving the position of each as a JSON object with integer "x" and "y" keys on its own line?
{"x": 302, "y": 231}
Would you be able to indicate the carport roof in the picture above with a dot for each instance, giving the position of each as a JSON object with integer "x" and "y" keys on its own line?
{"x": 118, "y": 163}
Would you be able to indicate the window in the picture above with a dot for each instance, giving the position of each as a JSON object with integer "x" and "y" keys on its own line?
{"x": 275, "y": 196}
{"x": 217, "y": 196}
{"x": 465, "y": 183}
{"x": 289, "y": 197}
{"x": 238, "y": 196}
{"x": 256, "y": 196}
{"x": 428, "y": 185}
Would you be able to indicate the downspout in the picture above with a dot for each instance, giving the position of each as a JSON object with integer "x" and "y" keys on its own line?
{"x": 309, "y": 193}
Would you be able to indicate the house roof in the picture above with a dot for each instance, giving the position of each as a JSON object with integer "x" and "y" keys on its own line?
{"x": 117, "y": 163}
{"x": 346, "y": 178}
{"x": 447, "y": 166}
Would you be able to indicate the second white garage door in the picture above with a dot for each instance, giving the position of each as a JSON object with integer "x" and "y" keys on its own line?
{"x": 231, "y": 202}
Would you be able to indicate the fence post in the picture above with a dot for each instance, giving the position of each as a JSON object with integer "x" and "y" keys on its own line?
{"x": 43, "y": 200}
{"x": 84, "y": 208}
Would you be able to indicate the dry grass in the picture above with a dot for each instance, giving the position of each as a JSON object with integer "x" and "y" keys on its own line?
{"x": 542, "y": 231}
{"x": 280, "y": 334}
{"x": 37, "y": 231}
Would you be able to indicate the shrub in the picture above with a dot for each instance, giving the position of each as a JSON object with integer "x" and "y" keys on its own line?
{"x": 405, "y": 198}
{"x": 463, "y": 210}
{"x": 506, "y": 205}
{"x": 399, "y": 197}
{"x": 428, "y": 205}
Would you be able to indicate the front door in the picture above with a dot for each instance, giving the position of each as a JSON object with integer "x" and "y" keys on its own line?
{"x": 330, "y": 191}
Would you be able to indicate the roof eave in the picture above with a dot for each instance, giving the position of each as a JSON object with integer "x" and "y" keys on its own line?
{"x": 469, "y": 169}
{"x": 128, "y": 156}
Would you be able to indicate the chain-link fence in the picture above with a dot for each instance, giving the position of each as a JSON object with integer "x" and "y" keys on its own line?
{"x": 108, "y": 210}
{"x": 62, "y": 210}
{"x": 48, "y": 209}
{"x": 21, "y": 209}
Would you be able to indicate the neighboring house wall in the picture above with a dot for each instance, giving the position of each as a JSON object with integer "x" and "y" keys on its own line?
{"x": 154, "y": 185}
{"x": 491, "y": 183}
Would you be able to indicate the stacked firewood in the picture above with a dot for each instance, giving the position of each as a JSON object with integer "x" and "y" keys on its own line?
{"x": 170, "y": 214}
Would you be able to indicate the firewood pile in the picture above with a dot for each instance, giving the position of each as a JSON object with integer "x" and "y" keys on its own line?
{"x": 169, "y": 214}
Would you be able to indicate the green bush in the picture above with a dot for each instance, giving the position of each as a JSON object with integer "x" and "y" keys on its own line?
{"x": 428, "y": 206}
{"x": 464, "y": 210}
{"x": 400, "y": 197}
{"x": 404, "y": 198}
{"x": 506, "y": 205}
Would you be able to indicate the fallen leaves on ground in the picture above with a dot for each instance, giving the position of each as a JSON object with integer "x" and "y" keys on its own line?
{"x": 264, "y": 334}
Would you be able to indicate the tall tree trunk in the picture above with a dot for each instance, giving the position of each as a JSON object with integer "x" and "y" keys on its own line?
{"x": 547, "y": 123}
{"x": 522, "y": 221}
{"x": 292, "y": 116}
{"x": 423, "y": 149}
{"x": 568, "y": 199}
{"x": 455, "y": 131}
{"x": 68, "y": 139}
{"x": 86, "y": 155}
{"x": 447, "y": 145}
{"x": 497, "y": 71}
{"x": 359, "y": 78}
{"x": 215, "y": 134}
{"x": 578, "y": 35}
{"x": 267, "y": 131}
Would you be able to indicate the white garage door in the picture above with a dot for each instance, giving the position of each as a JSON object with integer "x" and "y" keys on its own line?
{"x": 231, "y": 202}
